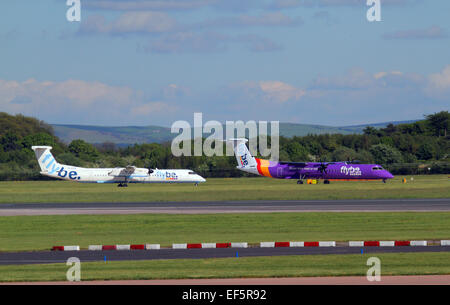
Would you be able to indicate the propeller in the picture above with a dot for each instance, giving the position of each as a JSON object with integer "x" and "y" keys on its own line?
{"x": 323, "y": 167}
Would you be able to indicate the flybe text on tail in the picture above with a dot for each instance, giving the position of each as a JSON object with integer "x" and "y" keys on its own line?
{"x": 52, "y": 166}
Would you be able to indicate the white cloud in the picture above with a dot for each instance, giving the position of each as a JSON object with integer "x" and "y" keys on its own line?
{"x": 135, "y": 5}
{"x": 433, "y": 32}
{"x": 130, "y": 22}
{"x": 441, "y": 80}
{"x": 272, "y": 92}
{"x": 274, "y": 19}
{"x": 80, "y": 101}
{"x": 438, "y": 85}
{"x": 151, "y": 108}
{"x": 280, "y": 92}
{"x": 187, "y": 42}
{"x": 285, "y": 4}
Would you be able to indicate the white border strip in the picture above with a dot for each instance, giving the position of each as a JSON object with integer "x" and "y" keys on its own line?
{"x": 384, "y": 243}
{"x": 152, "y": 247}
{"x": 356, "y": 244}
{"x": 418, "y": 243}
{"x": 267, "y": 244}
{"x": 327, "y": 244}
{"x": 123, "y": 247}
{"x": 239, "y": 245}
{"x": 179, "y": 246}
{"x": 295, "y": 244}
{"x": 208, "y": 245}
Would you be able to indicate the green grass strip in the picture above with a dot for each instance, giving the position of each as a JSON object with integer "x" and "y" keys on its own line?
{"x": 216, "y": 189}
{"x": 43, "y": 232}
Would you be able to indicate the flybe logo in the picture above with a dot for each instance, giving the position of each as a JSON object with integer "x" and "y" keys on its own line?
{"x": 351, "y": 171}
{"x": 72, "y": 175}
{"x": 171, "y": 176}
{"x": 53, "y": 167}
{"x": 244, "y": 161}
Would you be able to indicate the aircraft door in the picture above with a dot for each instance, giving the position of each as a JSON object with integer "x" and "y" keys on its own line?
{"x": 280, "y": 172}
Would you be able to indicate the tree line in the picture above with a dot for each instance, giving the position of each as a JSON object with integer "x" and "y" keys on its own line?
{"x": 417, "y": 148}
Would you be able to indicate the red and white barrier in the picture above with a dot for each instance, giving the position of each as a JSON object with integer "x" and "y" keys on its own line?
{"x": 391, "y": 243}
{"x": 215, "y": 245}
{"x": 209, "y": 245}
{"x": 290, "y": 244}
{"x": 66, "y": 248}
{"x": 297, "y": 244}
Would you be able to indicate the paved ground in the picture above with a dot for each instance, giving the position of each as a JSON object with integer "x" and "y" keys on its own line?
{"x": 342, "y": 280}
{"x": 225, "y": 207}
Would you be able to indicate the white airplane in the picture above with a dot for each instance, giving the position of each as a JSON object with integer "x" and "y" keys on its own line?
{"x": 121, "y": 175}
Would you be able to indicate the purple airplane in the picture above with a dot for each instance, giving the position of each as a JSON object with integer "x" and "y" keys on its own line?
{"x": 306, "y": 170}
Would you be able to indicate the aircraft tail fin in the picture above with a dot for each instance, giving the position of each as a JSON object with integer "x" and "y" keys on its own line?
{"x": 243, "y": 155}
{"x": 47, "y": 162}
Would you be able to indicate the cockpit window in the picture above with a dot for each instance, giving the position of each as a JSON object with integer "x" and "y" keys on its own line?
{"x": 192, "y": 173}
{"x": 377, "y": 168}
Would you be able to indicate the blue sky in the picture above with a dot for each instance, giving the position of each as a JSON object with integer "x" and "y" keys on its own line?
{"x": 152, "y": 62}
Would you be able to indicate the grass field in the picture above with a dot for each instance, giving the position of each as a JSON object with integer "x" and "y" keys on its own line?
{"x": 277, "y": 266}
{"x": 19, "y": 233}
{"x": 43, "y": 232}
{"x": 430, "y": 186}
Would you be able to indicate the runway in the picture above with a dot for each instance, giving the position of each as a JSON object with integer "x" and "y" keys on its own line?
{"x": 285, "y": 281}
{"x": 205, "y": 207}
{"x": 48, "y": 257}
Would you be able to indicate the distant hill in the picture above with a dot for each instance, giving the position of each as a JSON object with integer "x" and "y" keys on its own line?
{"x": 127, "y": 135}
{"x": 118, "y": 135}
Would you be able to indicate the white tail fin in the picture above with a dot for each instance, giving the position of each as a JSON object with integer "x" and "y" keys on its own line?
{"x": 243, "y": 155}
{"x": 47, "y": 162}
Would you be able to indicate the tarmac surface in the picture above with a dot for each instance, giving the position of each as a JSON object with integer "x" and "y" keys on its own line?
{"x": 337, "y": 280}
{"x": 205, "y": 207}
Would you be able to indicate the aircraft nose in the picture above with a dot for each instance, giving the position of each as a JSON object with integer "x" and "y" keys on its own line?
{"x": 388, "y": 175}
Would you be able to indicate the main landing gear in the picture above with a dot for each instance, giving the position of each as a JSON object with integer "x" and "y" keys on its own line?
{"x": 324, "y": 181}
{"x": 122, "y": 185}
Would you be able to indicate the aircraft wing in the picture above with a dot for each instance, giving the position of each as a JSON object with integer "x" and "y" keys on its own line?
{"x": 294, "y": 165}
{"x": 123, "y": 172}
